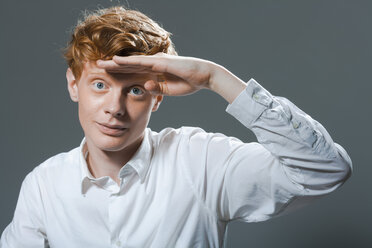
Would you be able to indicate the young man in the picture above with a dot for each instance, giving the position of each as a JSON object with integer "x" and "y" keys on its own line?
{"x": 128, "y": 186}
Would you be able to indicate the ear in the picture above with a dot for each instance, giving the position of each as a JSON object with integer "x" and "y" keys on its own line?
{"x": 158, "y": 100}
{"x": 71, "y": 85}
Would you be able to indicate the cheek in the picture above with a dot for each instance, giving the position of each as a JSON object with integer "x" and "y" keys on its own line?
{"x": 88, "y": 107}
{"x": 139, "y": 111}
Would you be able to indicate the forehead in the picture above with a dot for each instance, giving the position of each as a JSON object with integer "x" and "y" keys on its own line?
{"x": 91, "y": 70}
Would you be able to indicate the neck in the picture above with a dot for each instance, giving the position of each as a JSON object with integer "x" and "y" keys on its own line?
{"x": 108, "y": 163}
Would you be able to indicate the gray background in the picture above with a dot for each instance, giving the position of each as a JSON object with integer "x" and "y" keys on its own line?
{"x": 315, "y": 53}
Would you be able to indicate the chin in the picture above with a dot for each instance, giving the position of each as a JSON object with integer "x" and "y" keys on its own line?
{"x": 111, "y": 144}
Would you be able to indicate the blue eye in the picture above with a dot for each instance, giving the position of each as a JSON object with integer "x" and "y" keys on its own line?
{"x": 136, "y": 91}
{"x": 99, "y": 85}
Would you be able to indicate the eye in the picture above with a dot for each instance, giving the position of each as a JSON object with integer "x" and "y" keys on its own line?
{"x": 136, "y": 91}
{"x": 99, "y": 85}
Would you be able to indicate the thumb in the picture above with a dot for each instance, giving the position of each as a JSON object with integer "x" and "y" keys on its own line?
{"x": 157, "y": 88}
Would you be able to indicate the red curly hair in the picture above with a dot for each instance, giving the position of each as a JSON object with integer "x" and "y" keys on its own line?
{"x": 115, "y": 31}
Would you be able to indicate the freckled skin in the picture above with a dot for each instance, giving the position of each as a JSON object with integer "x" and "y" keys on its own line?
{"x": 114, "y": 105}
{"x": 114, "y": 99}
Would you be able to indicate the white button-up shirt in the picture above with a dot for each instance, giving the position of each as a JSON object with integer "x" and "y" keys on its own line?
{"x": 184, "y": 185}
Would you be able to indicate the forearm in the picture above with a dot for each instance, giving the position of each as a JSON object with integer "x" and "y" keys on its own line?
{"x": 301, "y": 144}
{"x": 225, "y": 83}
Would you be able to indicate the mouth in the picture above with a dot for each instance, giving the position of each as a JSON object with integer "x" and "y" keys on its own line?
{"x": 111, "y": 130}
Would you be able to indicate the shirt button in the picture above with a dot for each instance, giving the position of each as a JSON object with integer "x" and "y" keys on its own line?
{"x": 256, "y": 97}
{"x": 118, "y": 243}
{"x": 295, "y": 124}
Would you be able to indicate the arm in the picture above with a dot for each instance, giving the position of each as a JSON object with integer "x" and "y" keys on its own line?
{"x": 295, "y": 161}
{"x": 26, "y": 228}
{"x": 300, "y": 143}
{"x": 299, "y": 161}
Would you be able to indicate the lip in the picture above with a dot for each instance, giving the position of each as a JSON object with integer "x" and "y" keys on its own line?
{"x": 112, "y": 130}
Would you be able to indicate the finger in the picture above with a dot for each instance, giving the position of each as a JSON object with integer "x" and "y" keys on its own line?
{"x": 158, "y": 63}
{"x": 113, "y": 67}
{"x": 107, "y": 64}
{"x": 151, "y": 86}
{"x": 157, "y": 88}
{"x": 129, "y": 70}
{"x": 140, "y": 60}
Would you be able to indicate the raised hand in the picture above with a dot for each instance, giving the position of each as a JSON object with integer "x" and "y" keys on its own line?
{"x": 177, "y": 75}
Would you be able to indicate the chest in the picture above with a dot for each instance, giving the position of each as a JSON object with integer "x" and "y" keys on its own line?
{"x": 159, "y": 211}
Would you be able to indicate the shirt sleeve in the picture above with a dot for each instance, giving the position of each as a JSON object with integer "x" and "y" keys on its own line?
{"x": 26, "y": 229}
{"x": 295, "y": 161}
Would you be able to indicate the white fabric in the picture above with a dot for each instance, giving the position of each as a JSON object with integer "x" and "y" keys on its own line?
{"x": 183, "y": 185}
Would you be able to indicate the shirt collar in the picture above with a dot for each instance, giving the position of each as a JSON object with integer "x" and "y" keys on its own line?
{"x": 140, "y": 161}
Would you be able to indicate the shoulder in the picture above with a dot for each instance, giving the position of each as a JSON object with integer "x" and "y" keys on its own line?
{"x": 184, "y": 131}
{"x": 56, "y": 166}
{"x": 170, "y": 135}
{"x": 192, "y": 137}
{"x": 55, "y": 177}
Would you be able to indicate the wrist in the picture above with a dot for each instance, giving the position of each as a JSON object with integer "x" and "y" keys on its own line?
{"x": 216, "y": 72}
{"x": 225, "y": 83}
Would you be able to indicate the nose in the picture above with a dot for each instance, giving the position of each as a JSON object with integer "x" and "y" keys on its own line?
{"x": 115, "y": 104}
